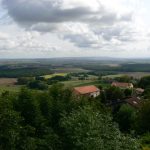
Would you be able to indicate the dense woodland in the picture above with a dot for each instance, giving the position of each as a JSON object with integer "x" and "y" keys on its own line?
{"x": 56, "y": 119}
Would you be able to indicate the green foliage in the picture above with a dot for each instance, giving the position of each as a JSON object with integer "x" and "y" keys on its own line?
{"x": 57, "y": 78}
{"x": 128, "y": 92}
{"x": 146, "y": 93}
{"x": 145, "y": 139}
{"x": 124, "y": 78}
{"x": 24, "y": 80}
{"x": 126, "y": 117}
{"x": 145, "y": 82}
{"x": 89, "y": 129}
{"x": 24, "y": 72}
{"x": 36, "y": 84}
{"x": 114, "y": 93}
{"x": 9, "y": 128}
{"x": 143, "y": 121}
{"x": 57, "y": 120}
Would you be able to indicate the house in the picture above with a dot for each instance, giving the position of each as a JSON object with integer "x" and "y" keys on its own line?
{"x": 122, "y": 85}
{"x": 134, "y": 102}
{"x": 139, "y": 91}
{"x": 91, "y": 91}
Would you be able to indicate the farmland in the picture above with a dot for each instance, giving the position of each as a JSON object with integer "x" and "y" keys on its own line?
{"x": 136, "y": 75}
{"x": 83, "y": 71}
{"x": 70, "y": 84}
{"x": 8, "y": 81}
{"x": 53, "y": 75}
{"x": 8, "y": 84}
{"x": 48, "y": 81}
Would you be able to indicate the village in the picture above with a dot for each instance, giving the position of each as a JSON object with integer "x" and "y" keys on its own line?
{"x": 134, "y": 98}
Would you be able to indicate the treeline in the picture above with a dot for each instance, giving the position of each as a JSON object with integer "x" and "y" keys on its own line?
{"x": 119, "y": 68}
{"x": 24, "y": 72}
{"x": 41, "y": 83}
{"x": 58, "y": 120}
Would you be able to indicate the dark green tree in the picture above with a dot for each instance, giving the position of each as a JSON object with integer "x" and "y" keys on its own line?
{"x": 88, "y": 129}
{"x": 144, "y": 118}
{"x": 114, "y": 94}
{"x": 126, "y": 117}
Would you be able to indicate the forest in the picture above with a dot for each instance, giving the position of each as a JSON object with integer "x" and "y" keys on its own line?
{"x": 56, "y": 119}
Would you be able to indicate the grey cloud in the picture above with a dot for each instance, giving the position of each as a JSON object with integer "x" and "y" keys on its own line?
{"x": 83, "y": 40}
{"x": 49, "y": 15}
{"x": 43, "y": 11}
{"x": 31, "y": 12}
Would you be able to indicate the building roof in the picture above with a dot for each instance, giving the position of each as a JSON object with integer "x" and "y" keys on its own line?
{"x": 121, "y": 84}
{"x": 134, "y": 101}
{"x": 86, "y": 89}
{"x": 139, "y": 90}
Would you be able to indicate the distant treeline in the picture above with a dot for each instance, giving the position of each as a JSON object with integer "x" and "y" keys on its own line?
{"x": 121, "y": 68}
{"x": 29, "y": 70}
{"x": 23, "y": 72}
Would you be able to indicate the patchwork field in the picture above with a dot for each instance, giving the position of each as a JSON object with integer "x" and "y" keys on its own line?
{"x": 8, "y": 81}
{"x": 53, "y": 75}
{"x": 11, "y": 88}
{"x": 69, "y": 70}
{"x": 136, "y": 75}
{"x": 83, "y": 83}
{"x": 8, "y": 84}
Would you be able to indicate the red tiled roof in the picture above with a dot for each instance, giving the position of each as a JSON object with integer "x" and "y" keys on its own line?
{"x": 86, "y": 89}
{"x": 121, "y": 84}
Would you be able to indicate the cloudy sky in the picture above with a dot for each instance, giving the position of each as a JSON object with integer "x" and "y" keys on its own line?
{"x": 73, "y": 28}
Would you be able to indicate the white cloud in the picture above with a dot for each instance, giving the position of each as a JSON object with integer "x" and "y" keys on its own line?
{"x": 74, "y": 27}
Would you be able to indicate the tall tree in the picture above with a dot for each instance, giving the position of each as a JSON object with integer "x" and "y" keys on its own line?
{"x": 89, "y": 129}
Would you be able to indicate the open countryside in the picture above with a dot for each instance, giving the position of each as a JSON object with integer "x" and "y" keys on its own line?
{"x": 74, "y": 74}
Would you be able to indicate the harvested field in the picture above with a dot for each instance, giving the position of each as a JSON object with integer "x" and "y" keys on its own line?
{"x": 8, "y": 81}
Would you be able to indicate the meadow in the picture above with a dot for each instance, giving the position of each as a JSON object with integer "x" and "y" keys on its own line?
{"x": 53, "y": 75}
{"x": 78, "y": 83}
{"x": 136, "y": 75}
{"x": 8, "y": 84}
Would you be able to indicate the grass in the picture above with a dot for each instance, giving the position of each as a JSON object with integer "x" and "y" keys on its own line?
{"x": 83, "y": 83}
{"x": 53, "y": 75}
{"x": 146, "y": 148}
{"x": 70, "y": 70}
{"x": 113, "y": 76}
{"x": 8, "y": 84}
{"x": 8, "y": 81}
{"x": 11, "y": 88}
{"x": 136, "y": 75}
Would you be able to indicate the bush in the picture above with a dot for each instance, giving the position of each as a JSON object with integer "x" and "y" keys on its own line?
{"x": 24, "y": 80}
{"x": 37, "y": 85}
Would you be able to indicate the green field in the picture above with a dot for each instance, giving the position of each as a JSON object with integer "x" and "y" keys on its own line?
{"x": 69, "y": 70}
{"x": 53, "y": 75}
{"x": 136, "y": 75}
{"x": 113, "y": 76}
{"x": 11, "y": 88}
{"x": 77, "y": 83}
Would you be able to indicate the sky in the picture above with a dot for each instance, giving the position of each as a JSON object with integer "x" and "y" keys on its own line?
{"x": 74, "y": 28}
